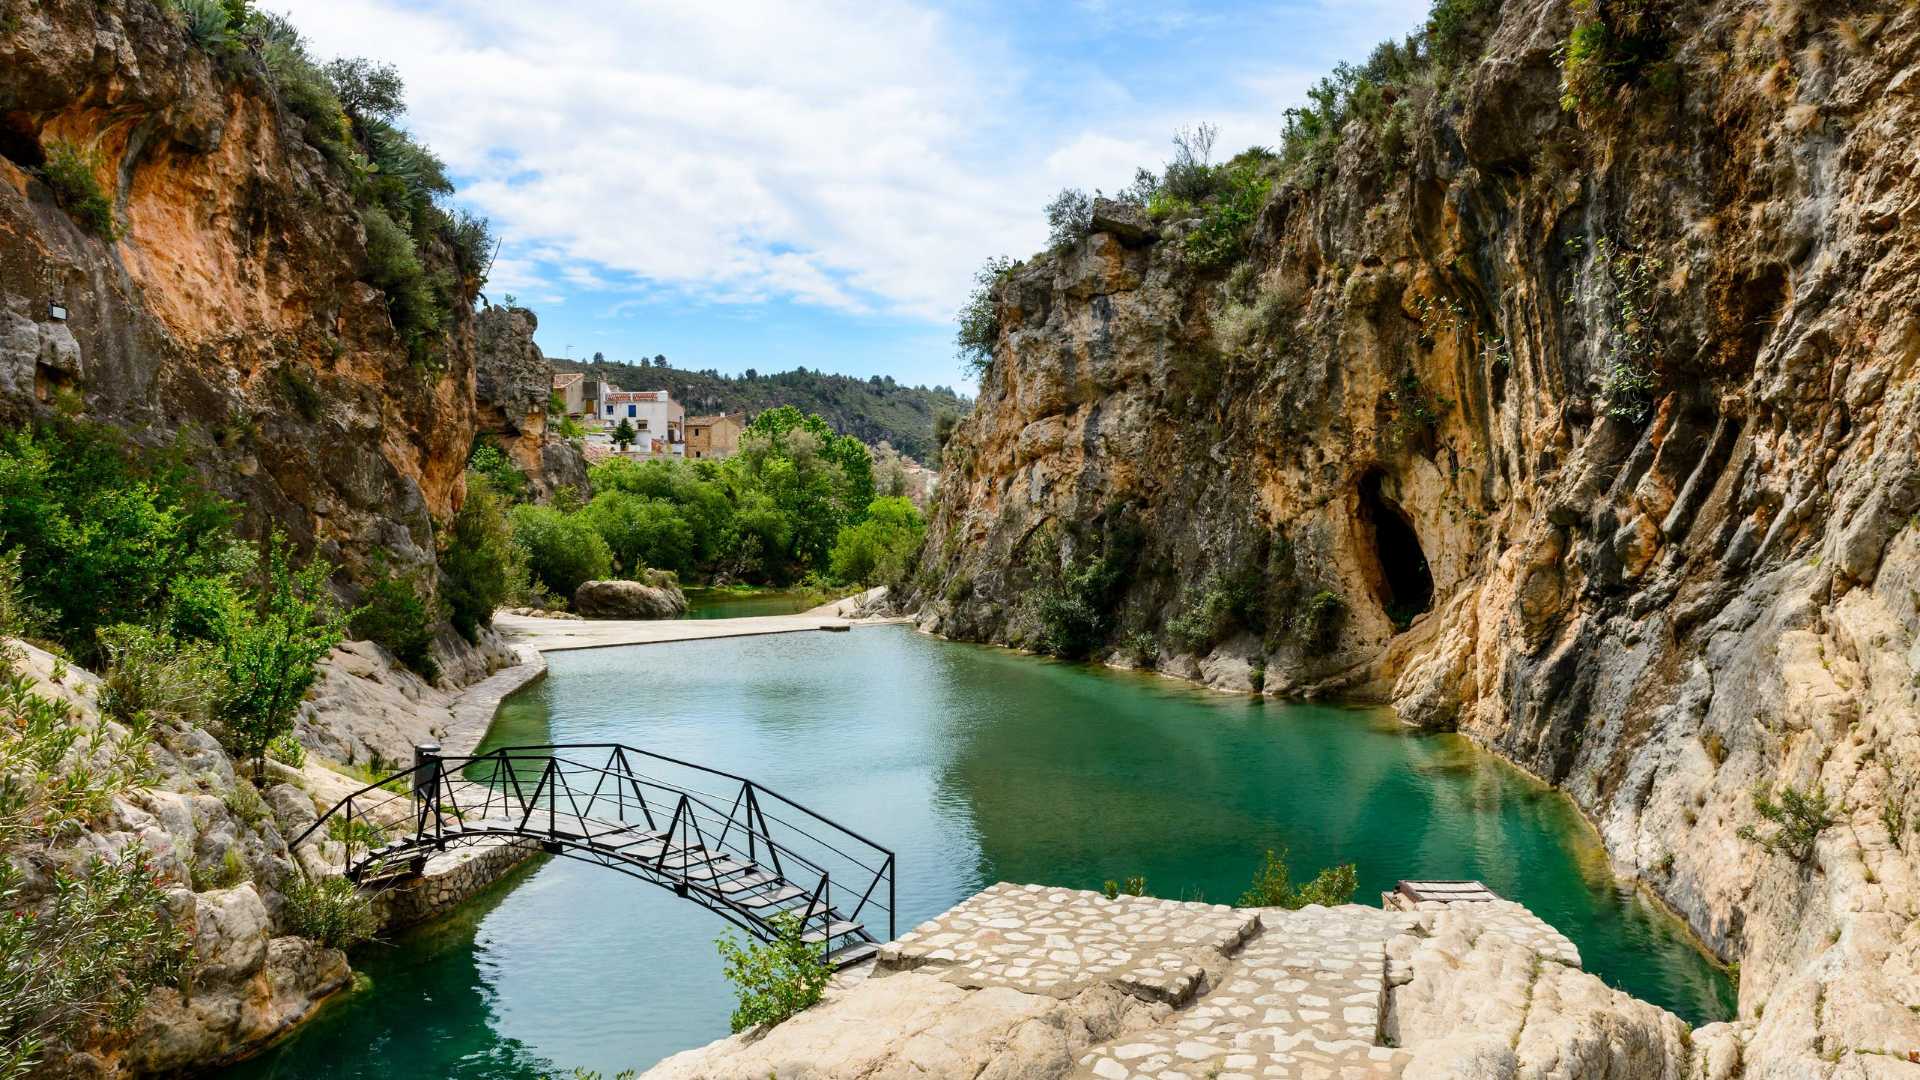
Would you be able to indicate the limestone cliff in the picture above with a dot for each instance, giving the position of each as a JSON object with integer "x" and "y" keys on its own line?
{"x": 1586, "y": 427}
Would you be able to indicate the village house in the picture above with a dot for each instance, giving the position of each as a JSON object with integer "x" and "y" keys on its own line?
{"x": 581, "y": 397}
{"x": 659, "y": 422}
{"x": 715, "y": 436}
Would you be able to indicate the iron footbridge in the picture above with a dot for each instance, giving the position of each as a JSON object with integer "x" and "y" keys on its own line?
{"x": 749, "y": 854}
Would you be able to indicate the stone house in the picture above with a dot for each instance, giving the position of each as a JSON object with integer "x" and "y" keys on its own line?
{"x": 715, "y": 436}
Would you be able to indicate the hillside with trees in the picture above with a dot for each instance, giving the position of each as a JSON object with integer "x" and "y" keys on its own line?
{"x": 873, "y": 410}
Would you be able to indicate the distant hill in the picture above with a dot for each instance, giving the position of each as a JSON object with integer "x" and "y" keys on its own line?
{"x": 872, "y": 410}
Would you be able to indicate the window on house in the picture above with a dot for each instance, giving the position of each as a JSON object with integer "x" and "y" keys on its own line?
{"x": 633, "y": 410}
{"x": 643, "y": 425}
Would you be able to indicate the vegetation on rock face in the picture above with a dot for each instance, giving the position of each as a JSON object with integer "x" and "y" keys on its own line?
{"x": 480, "y": 565}
{"x": 774, "y": 980}
{"x": 1273, "y": 885}
{"x": 270, "y": 651}
{"x": 399, "y": 613}
{"x": 73, "y": 176}
{"x": 1800, "y": 817}
{"x": 978, "y": 322}
{"x": 427, "y": 259}
{"x": 87, "y": 947}
{"x": 331, "y": 911}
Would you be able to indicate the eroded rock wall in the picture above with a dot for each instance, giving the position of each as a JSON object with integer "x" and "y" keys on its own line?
{"x": 1658, "y": 601}
{"x": 231, "y": 311}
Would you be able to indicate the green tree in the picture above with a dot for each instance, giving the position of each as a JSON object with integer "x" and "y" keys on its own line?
{"x": 624, "y": 435}
{"x": 563, "y": 550}
{"x": 642, "y": 532}
{"x": 400, "y": 614}
{"x": 479, "y": 563}
{"x": 270, "y": 652}
{"x": 503, "y": 476}
{"x": 878, "y": 549}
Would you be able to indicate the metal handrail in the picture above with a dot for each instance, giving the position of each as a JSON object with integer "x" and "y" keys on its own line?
{"x": 743, "y": 829}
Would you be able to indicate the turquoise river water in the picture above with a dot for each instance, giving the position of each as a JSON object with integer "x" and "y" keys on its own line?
{"x": 974, "y": 765}
{"x": 728, "y": 604}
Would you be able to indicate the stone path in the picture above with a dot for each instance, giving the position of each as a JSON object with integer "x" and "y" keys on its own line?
{"x": 1256, "y": 993}
{"x": 554, "y": 635}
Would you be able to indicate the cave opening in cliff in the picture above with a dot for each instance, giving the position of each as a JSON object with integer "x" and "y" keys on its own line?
{"x": 1402, "y": 582}
{"x": 17, "y": 141}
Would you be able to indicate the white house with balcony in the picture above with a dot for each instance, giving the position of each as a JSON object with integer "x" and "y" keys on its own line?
{"x": 659, "y": 422}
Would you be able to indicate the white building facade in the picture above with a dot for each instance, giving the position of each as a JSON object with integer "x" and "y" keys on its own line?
{"x": 659, "y": 422}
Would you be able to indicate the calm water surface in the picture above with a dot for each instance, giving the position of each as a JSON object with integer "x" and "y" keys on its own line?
{"x": 975, "y": 765}
{"x": 724, "y": 604}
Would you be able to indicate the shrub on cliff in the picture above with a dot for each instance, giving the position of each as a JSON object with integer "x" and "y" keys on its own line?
{"x": 481, "y": 567}
{"x": 1069, "y": 218}
{"x": 1273, "y": 885}
{"x": 562, "y": 550}
{"x": 106, "y": 538}
{"x": 270, "y": 652}
{"x": 330, "y": 911}
{"x": 979, "y": 318}
{"x": 399, "y": 614}
{"x": 72, "y": 174}
{"x": 1800, "y": 817}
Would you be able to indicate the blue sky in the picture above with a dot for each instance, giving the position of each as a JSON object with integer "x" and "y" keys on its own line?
{"x": 771, "y": 183}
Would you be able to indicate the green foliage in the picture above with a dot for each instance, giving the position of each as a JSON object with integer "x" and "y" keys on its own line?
{"x": 1614, "y": 46}
{"x": 1415, "y": 411}
{"x": 1230, "y": 602}
{"x": 1457, "y": 30}
{"x": 73, "y": 175}
{"x": 1273, "y": 885}
{"x": 209, "y": 23}
{"x": 774, "y": 980}
{"x": 245, "y": 803}
{"x": 1894, "y": 816}
{"x": 270, "y": 652}
{"x": 18, "y": 618}
{"x": 107, "y": 539}
{"x": 879, "y": 549}
{"x": 297, "y": 387}
{"x": 414, "y": 302}
{"x": 642, "y": 532}
{"x": 1623, "y": 282}
{"x": 1132, "y": 886}
{"x": 330, "y": 911}
{"x": 978, "y": 321}
{"x": 1076, "y": 611}
{"x": 1800, "y": 816}
{"x": 399, "y": 614}
{"x": 624, "y": 436}
{"x": 55, "y": 774}
{"x": 1319, "y": 619}
{"x": 502, "y": 475}
{"x": 480, "y": 565}
{"x": 151, "y": 677}
{"x": 356, "y": 832}
{"x": 1143, "y": 647}
{"x": 562, "y": 550}
{"x": 1227, "y": 217}
{"x": 1069, "y": 218}
{"x": 86, "y": 956}
{"x": 287, "y": 750}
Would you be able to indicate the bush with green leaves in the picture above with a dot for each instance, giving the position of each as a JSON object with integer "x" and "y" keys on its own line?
{"x": 73, "y": 175}
{"x": 270, "y": 654}
{"x": 642, "y": 532}
{"x": 503, "y": 477}
{"x": 399, "y": 614}
{"x": 1273, "y": 885}
{"x": 880, "y": 549}
{"x": 107, "y": 538}
{"x": 88, "y": 956}
{"x": 1799, "y": 818}
{"x": 330, "y": 911}
{"x": 287, "y": 750}
{"x": 1076, "y": 611}
{"x": 1614, "y": 45}
{"x": 1317, "y": 622}
{"x": 562, "y": 550}
{"x": 978, "y": 322}
{"x": 1230, "y": 602}
{"x": 150, "y": 676}
{"x": 1069, "y": 218}
{"x": 480, "y": 565}
{"x": 776, "y": 979}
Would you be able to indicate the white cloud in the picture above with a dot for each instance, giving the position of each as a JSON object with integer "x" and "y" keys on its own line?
{"x": 859, "y": 156}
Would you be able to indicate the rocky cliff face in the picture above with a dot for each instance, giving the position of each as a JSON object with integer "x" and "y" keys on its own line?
{"x": 513, "y": 382}
{"x": 1589, "y": 432}
{"x": 232, "y": 308}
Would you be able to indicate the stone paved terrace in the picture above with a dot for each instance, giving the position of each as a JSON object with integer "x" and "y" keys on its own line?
{"x": 1033, "y": 981}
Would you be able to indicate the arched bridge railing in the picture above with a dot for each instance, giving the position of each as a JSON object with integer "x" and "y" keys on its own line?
{"x": 723, "y": 841}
